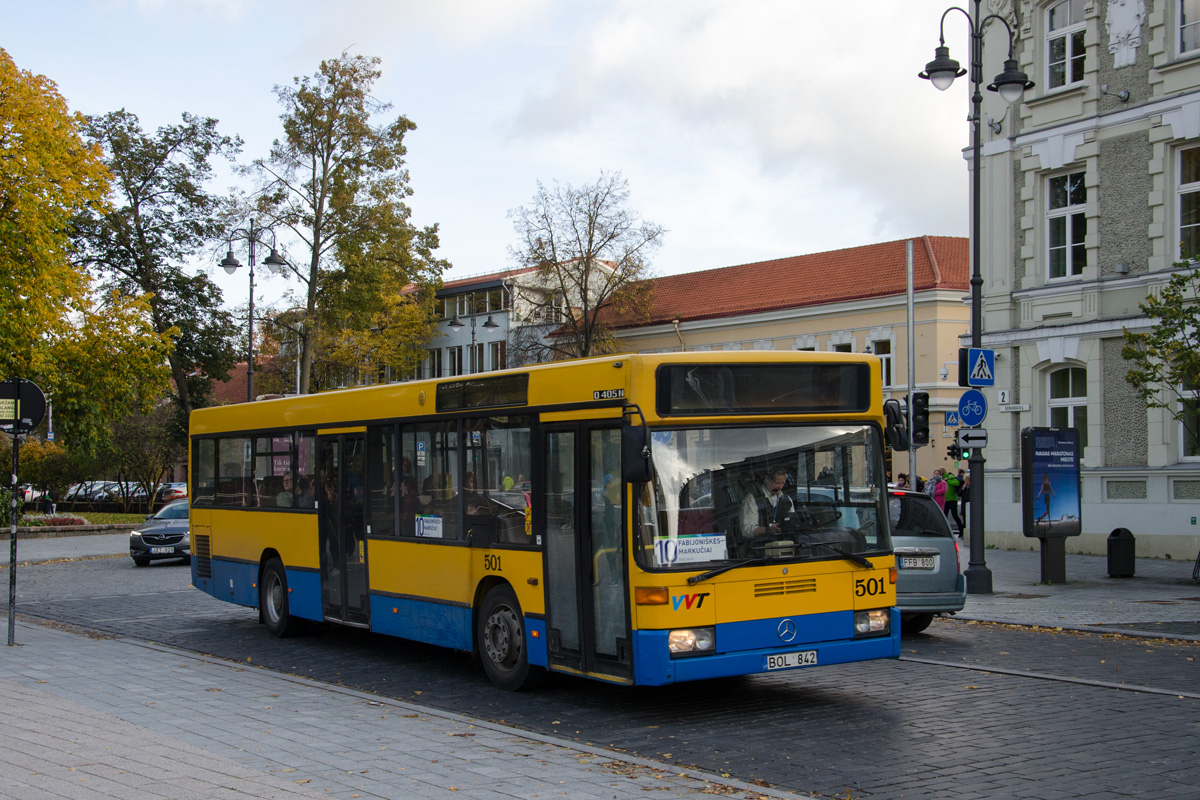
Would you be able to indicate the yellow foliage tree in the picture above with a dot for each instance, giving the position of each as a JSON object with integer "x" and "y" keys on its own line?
{"x": 95, "y": 357}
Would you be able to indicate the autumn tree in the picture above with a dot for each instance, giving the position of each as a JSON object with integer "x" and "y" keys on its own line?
{"x": 1166, "y": 358}
{"x": 143, "y": 448}
{"x": 160, "y": 216}
{"x": 338, "y": 182}
{"x": 589, "y": 255}
{"x": 95, "y": 356}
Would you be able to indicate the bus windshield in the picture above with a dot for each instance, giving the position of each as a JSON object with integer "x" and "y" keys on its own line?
{"x": 789, "y": 493}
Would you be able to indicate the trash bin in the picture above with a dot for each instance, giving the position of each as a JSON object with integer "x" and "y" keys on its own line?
{"x": 1121, "y": 547}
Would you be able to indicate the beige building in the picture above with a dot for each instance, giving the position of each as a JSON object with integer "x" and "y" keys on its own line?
{"x": 853, "y": 300}
{"x": 1091, "y": 191}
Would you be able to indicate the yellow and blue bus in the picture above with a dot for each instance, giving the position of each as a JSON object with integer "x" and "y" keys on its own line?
{"x": 637, "y": 519}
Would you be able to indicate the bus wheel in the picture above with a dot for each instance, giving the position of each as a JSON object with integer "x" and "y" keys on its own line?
{"x": 500, "y": 637}
{"x": 273, "y": 601}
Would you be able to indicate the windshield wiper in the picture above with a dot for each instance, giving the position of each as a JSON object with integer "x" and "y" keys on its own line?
{"x": 712, "y": 573}
{"x": 846, "y": 554}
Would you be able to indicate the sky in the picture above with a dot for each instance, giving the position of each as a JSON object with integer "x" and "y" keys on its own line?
{"x": 749, "y": 129}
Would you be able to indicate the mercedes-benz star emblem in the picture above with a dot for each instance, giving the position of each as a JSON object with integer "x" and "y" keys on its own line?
{"x": 787, "y": 630}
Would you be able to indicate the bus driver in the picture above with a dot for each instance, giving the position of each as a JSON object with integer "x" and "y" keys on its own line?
{"x": 767, "y": 511}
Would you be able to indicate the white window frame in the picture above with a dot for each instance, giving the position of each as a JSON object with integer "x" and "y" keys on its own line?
{"x": 1187, "y": 251}
{"x": 1184, "y": 391}
{"x": 499, "y": 354}
{"x": 1184, "y": 25}
{"x": 454, "y": 361}
{"x": 886, "y": 360}
{"x": 1073, "y": 34}
{"x": 1069, "y": 214}
{"x": 1072, "y": 402}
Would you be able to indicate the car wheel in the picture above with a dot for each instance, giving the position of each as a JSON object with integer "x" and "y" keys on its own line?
{"x": 915, "y": 623}
{"x": 273, "y": 601}
{"x": 500, "y": 639}
{"x": 139, "y": 561}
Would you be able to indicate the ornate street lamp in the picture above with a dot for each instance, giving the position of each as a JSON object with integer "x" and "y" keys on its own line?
{"x": 457, "y": 325}
{"x": 273, "y": 262}
{"x": 1011, "y": 85}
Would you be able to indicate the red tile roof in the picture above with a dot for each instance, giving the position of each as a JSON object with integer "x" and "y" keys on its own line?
{"x": 874, "y": 270}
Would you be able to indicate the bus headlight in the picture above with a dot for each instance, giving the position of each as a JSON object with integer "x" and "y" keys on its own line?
{"x": 692, "y": 641}
{"x": 875, "y": 621}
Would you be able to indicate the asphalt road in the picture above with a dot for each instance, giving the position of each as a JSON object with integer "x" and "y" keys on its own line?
{"x": 970, "y": 710}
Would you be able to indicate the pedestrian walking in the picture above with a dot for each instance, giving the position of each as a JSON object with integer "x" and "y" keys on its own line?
{"x": 964, "y": 497}
{"x": 902, "y": 481}
{"x": 935, "y": 487}
{"x": 953, "y": 485}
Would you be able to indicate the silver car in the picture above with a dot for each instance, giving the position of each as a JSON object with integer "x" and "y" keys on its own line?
{"x": 930, "y": 580}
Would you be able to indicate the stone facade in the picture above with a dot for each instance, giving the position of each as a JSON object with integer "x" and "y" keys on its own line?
{"x": 1066, "y": 278}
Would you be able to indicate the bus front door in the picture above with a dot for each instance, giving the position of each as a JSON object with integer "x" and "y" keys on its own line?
{"x": 585, "y": 557}
{"x": 341, "y": 525}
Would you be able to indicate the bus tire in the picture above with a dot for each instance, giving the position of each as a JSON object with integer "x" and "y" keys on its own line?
{"x": 273, "y": 601}
{"x": 500, "y": 639}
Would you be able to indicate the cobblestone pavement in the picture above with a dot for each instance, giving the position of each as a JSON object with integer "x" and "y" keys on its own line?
{"x": 93, "y": 727}
{"x": 89, "y": 716}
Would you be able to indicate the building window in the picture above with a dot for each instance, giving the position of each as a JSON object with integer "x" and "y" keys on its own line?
{"x": 499, "y": 355}
{"x": 1068, "y": 401}
{"x": 883, "y": 349}
{"x": 477, "y": 357}
{"x": 842, "y": 348}
{"x": 456, "y": 360}
{"x": 1067, "y": 226}
{"x": 1189, "y": 423}
{"x": 1189, "y": 26}
{"x": 1065, "y": 50}
{"x": 1189, "y": 203}
{"x": 435, "y": 363}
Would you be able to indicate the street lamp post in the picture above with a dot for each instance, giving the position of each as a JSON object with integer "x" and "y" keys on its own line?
{"x": 1011, "y": 85}
{"x": 273, "y": 262}
{"x": 457, "y": 324}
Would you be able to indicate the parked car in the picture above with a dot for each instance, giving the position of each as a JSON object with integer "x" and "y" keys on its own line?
{"x": 169, "y": 492}
{"x": 930, "y": 580}
{"x": 164, "y": 535}
{"x": 90, "y": 492}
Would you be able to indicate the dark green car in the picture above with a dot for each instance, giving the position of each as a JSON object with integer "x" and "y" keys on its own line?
{"x": 930, "y": 580}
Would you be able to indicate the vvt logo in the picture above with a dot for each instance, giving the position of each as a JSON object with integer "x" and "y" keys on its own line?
{"x": 688, "y": 600}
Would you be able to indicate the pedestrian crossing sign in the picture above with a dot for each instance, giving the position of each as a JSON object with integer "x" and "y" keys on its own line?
{"x": 952, "y": 419}
{"x": 981, "y": 367}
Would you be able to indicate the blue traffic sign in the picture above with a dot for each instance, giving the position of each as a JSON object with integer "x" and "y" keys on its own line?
{"x": 972, "y": 408}
{"x": 981, "y": 367}
{"x": 952, "y": 419}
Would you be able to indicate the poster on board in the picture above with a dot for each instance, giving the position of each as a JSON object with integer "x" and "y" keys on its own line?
{"x": 1050, "y": 505}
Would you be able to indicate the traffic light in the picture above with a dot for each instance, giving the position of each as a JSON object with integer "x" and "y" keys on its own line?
{"x": 953, "y": 452}
{"x": 919, "y": 408}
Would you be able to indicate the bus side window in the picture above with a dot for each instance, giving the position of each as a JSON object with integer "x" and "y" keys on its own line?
{"x": 204, "y": 490}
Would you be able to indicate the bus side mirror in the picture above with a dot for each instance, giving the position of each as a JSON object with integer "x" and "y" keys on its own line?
{"x": 897, "y": 431}
{"x": 636, "y": 465}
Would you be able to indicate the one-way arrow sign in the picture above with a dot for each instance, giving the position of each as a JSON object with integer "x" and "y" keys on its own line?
{"x": 972, "y": 438}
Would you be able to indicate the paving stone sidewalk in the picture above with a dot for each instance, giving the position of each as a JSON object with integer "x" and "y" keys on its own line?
{"x": 90, "y": 716}
{"x": 95, "y": 717}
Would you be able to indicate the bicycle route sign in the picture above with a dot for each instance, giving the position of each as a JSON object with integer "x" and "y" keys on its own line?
{"x": 972, "y": 408}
